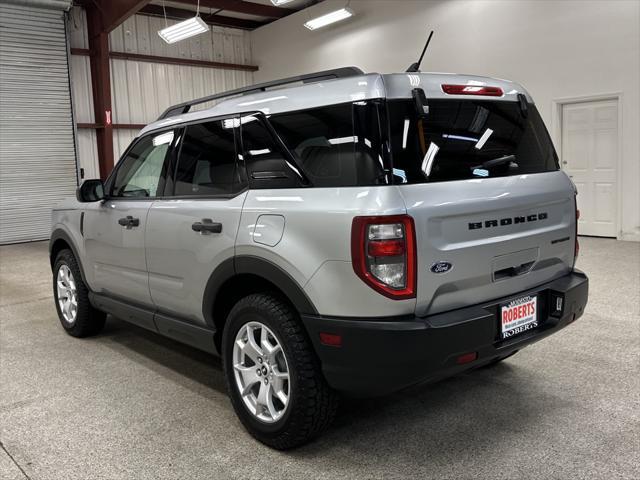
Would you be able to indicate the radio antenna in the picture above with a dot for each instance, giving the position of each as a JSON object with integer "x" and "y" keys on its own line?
{"x": 415, "y": 67}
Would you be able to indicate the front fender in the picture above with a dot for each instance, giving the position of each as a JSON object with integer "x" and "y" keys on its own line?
{"x": 61, "y": 233}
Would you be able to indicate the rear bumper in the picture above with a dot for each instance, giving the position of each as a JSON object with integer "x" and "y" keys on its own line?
{"x": 384, "y": 355}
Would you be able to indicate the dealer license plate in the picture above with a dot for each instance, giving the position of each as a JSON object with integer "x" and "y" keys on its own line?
{"x": 519, "y": 316}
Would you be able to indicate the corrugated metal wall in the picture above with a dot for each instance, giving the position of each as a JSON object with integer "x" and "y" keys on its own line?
{"x": 141, "y": 90}
{"x": 37, "y": 155}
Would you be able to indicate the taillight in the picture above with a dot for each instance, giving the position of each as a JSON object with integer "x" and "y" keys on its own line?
{"x": 383, "y": 253}
{"x": 472, "y": 90}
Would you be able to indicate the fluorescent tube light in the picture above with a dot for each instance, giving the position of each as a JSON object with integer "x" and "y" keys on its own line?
{"x": 180, "y": 31}
{"x": 280, "y": 2}
{"x": 329, "y": 18}
{"x": 340, "y": 141}
{"x": 430, "y": 156}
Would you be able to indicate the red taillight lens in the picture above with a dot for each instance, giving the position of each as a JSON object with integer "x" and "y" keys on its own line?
{"x": 383, "y": 253}
{"x": 386, "y": 248}
{"x": 472, "y": 90}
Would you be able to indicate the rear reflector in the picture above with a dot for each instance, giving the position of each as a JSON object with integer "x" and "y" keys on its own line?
{"x": 467, "y": 358}
{"x": 472, "y": 90}
{"x": 330, "y": 339}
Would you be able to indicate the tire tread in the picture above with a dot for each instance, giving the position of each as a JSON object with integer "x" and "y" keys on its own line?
{"x": 315, "y": 401}
{"x": 89, "y": 321}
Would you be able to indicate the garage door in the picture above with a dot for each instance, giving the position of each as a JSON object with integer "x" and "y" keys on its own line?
{"x": 37, "y": 153}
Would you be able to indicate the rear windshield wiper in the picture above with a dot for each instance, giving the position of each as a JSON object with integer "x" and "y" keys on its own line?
{"x": 496, "y": 162}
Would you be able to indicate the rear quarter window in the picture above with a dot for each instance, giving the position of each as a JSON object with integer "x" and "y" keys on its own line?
{"x": 337, "y": 145}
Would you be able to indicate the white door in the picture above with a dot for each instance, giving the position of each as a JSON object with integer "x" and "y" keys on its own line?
{"x": 590, "y": 156}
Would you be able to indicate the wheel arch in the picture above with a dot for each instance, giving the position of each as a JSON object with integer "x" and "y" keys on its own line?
{"x": 242, "y": 275}
{"x": 59, "y": 241}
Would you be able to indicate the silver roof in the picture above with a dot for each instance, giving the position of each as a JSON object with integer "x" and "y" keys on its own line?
{"x": 343, "y": 90}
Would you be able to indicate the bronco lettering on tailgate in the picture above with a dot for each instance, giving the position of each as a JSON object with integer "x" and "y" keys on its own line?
{"x": 508, "y": 221}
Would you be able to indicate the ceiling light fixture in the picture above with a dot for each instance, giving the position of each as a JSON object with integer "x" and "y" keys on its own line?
{"x": 329, "y": 18}
{"x": 280, "y": 2}
{"x": 187, "y": 28}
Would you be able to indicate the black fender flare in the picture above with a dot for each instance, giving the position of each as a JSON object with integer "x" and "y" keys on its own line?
{"x": 269, "y": 271}
{"x": 60, "y": 234}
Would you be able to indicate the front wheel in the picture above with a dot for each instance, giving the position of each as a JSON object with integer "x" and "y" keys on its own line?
{"x": 273, "y": 377}
{"x": 71, "y": 296}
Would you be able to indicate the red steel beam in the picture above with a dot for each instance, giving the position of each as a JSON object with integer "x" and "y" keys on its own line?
{"x": 114, "y": 12}
{"x": 115, "y": 126}
{"x": 240, "y": 6}
{"x": 212, "y": 19}
{"x": 171, "y": 60}
{"x": 182, "y": 61}
{"x": 101, "y": 88}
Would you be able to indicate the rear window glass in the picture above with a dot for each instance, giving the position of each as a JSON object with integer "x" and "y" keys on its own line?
{"x": 462, "y": 139}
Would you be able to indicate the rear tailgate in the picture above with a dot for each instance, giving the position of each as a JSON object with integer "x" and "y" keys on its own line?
{"x": 500, "y": 235}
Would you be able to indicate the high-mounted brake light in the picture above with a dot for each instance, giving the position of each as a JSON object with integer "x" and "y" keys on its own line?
{"x": 472, "y": 90}
{"x": 383, "y": 253}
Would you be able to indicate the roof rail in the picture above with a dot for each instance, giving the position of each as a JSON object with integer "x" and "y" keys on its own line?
{"x": 343, "y": 72}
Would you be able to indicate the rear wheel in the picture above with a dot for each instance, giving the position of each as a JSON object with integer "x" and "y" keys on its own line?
{"x": 71, "y": 295}
{"x": 273, "y": 377}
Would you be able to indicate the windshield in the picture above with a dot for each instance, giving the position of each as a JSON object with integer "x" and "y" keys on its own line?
{"x": 462, "y": 139}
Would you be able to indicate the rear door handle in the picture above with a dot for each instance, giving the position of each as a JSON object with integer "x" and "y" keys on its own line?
{"x": 206, "y": 226}
{"x": 129, "y": 222}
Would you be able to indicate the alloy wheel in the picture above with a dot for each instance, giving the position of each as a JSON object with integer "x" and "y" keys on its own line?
{"x": 67, "y": 294}
{"x": 261, "y": 372}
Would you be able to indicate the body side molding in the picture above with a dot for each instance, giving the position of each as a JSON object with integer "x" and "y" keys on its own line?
{"x": 150, "y": 319}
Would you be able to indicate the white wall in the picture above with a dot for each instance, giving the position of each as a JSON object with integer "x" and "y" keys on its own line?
{"x": 557, "y": 49}
{"x": 140, "y": 91}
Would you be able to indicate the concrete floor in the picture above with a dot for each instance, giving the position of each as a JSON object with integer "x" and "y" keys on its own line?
{"x": 130, "y": 404}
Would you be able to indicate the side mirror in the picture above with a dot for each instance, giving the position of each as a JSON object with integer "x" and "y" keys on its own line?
{"x": 90, "y": 191}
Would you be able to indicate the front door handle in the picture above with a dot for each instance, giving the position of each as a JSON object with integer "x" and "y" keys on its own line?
{"x": 206, "y": 226}
{"x": 129, "y": 222}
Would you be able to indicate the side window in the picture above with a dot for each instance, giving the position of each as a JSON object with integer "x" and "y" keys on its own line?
{"x": 268, "y": 166}
{"x": 143, "y": 170}
{"x": 337, "y": 145}
{"x": 207, "y": 164}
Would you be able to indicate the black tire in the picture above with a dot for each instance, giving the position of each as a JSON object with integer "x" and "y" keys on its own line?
{"x": 312, "y": 403}
{"x": 88, "y": 320}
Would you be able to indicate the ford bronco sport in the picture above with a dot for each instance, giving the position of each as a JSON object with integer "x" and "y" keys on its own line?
{"x": 338, "y": 232}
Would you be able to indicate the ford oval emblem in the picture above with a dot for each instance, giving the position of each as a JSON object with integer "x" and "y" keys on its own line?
{"x": 441, "y": 267}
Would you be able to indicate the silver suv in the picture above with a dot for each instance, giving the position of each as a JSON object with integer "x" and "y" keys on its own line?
{"x": 334, "y": 233}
